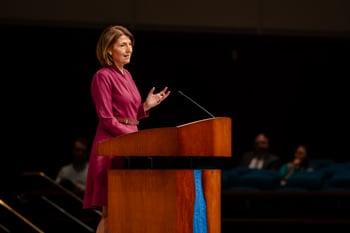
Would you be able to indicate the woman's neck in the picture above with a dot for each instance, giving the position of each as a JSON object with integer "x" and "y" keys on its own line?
{"x": 119, "y": 67}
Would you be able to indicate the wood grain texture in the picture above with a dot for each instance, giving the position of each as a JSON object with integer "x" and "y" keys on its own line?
{"x": 158, "y": 201}
{"x": 142, "y": 201}
{"x": 211, "y": 180}
{"x": 185, "y": 201}
{"x": 209, "y": 137}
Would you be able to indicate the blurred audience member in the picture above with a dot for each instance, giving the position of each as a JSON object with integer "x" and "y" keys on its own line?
{"x": 260, "y": 157}
{"x": 73, "y": 175}
{"x": 300, "y": 162}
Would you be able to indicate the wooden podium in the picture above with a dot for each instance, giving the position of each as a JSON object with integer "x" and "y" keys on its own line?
{"x": 162, "y": 200}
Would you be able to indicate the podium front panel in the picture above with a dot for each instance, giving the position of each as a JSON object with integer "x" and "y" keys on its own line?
{"x": 158, "y": 201}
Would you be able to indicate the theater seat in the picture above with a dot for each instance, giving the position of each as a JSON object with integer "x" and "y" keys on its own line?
{"x": 259, "y": 179}
{"x": 230, "y": 177}
{"x": 340, "y": 178}
{"x": 306, "y": 180}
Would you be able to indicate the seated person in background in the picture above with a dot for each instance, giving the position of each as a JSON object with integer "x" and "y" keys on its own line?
{"x": 73, "y": 175}
{"x": 300, "y": 162}
{"x": 260, "y": 157}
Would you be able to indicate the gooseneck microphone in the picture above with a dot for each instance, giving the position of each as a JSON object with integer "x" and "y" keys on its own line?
{"x": 181, "y": 93}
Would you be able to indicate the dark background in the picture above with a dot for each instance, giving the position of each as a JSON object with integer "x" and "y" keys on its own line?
{"x": 293, "y": 87}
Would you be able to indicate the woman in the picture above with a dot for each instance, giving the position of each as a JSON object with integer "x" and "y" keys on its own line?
{"x": 119, "y": 108}
{"x": 300, "y": 162}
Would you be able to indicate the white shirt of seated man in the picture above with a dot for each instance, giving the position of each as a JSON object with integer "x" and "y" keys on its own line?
{"x": 76, "y": 172}
{"x": 77, "y": 177}
{"x": 256, "y": 163}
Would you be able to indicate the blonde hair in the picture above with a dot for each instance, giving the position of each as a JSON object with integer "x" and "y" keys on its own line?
{"x": 106, "y": 40}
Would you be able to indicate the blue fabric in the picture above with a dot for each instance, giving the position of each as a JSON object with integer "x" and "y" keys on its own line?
{"x": 230, "y": 177}
{"x": 306, "y": 180}
{"x": 260, "y": 179}
{"x": 200, "y": 206}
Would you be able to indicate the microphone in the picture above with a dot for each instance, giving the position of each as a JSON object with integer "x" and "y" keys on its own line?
{"x": 181, "y": 93}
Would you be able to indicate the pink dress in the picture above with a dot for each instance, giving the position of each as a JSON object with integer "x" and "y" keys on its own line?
{"x": 114, "y": 94}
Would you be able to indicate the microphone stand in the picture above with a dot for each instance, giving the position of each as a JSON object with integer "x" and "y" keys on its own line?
{"x": 181, "y": 93}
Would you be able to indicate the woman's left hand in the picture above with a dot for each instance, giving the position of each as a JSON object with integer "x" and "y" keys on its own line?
{"x": 153, "y": 99}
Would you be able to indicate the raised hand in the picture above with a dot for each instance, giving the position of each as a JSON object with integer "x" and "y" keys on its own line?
{"x": 153, "y": 99}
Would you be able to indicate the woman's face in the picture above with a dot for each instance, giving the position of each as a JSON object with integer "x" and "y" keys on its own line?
{"x": 121, "y": 51}
{"x": 300, "y": 153}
